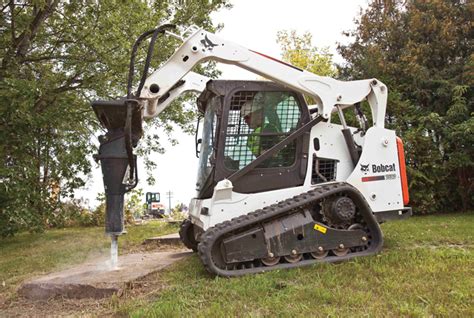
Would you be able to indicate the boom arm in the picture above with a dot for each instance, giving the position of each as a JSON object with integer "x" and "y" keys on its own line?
{"x": 202, "y": 46}
{"x": 191, "y": 82}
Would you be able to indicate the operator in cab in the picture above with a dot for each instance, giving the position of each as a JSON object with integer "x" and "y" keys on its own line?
{"x": 261, "y": 138}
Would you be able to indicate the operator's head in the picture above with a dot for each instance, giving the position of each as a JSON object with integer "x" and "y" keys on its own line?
{"x": 252, "y": 113}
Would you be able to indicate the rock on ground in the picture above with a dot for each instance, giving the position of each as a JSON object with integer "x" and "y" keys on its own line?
{"x": 97, "y": 279}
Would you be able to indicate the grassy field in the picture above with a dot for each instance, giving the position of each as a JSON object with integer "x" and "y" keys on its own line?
{"x": 425, "y": 269}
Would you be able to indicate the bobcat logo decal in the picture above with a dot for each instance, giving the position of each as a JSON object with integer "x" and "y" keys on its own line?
{"x": 208, "y": 43}
{"x": 364, "y": 168}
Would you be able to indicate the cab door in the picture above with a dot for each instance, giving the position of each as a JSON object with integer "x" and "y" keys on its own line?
{"x": 275, "y": 112}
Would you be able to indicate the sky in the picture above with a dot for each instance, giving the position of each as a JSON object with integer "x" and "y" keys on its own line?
{"x": 252, "y": 24}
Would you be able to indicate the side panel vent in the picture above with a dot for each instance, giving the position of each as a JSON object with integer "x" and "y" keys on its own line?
{"x": 324, "y": 170}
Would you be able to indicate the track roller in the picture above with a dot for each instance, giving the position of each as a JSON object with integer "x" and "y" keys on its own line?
{"x": 295, "y": 258}
{"x": 270, "y": 261}
{"x": 319, "y": 254}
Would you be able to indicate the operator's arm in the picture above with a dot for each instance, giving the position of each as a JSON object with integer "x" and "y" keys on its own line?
{"x": 328, "y": 92}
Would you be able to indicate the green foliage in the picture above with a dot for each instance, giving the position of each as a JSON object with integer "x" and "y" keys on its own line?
{"x": 57, "y": 56}
{"x": 179, "y": 212}
{"x": 299, "y": 51}
{"x": 423, "y": 51}
{"x": 98, "y": 215}
{"x": 72, "y": 213}
{"x": 134, "y": 205}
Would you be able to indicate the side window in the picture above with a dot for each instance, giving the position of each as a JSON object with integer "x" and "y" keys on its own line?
{"x": 208, "y": 142}
{"x": 256, "y": 122}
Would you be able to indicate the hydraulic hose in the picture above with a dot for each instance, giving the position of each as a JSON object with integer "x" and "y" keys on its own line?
{"x": 131, "y": 101}
{"x": 143, "y": 36}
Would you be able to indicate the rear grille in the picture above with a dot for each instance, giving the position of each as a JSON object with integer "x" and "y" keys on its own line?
{"x": 324, "y": 170}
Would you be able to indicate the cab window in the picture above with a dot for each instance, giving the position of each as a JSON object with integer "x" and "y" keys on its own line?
{"x": 256, "y": 122}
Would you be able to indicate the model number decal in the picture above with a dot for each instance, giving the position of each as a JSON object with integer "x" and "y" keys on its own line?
{"x": 378, "y": 178}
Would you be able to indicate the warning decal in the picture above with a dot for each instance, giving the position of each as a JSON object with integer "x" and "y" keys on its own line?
{"x": 320, "y": 228}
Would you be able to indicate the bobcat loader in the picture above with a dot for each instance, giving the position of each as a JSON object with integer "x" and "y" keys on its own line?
{"x": 279, "y": 185}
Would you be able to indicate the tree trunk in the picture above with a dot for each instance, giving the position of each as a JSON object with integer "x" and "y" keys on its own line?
{"x": 465, "y": 185}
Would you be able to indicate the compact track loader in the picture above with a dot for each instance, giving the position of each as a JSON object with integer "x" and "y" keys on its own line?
{"x": 279, "y": 184}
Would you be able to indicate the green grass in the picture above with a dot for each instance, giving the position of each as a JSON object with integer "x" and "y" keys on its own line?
{"x": 27, "y": 255}
{"x": 425, "y": 269}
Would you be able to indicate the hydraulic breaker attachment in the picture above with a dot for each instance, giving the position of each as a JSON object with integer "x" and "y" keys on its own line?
{"x": 123, "y": 122}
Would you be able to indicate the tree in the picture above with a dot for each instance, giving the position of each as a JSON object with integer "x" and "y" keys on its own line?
{"x": 423, "y": 51}
{"x": 299, "y": 51}
{"x": 134, "y": 205}
{"x": 57, "y": 56}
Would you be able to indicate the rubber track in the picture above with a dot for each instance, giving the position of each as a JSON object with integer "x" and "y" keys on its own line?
{"x": 213, "y": 234}
{"x": 186, "y": 237}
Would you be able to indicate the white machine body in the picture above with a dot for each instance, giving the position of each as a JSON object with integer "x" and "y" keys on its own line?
{"x": 382, "y": 195}
{"x": 377, "y": 174}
